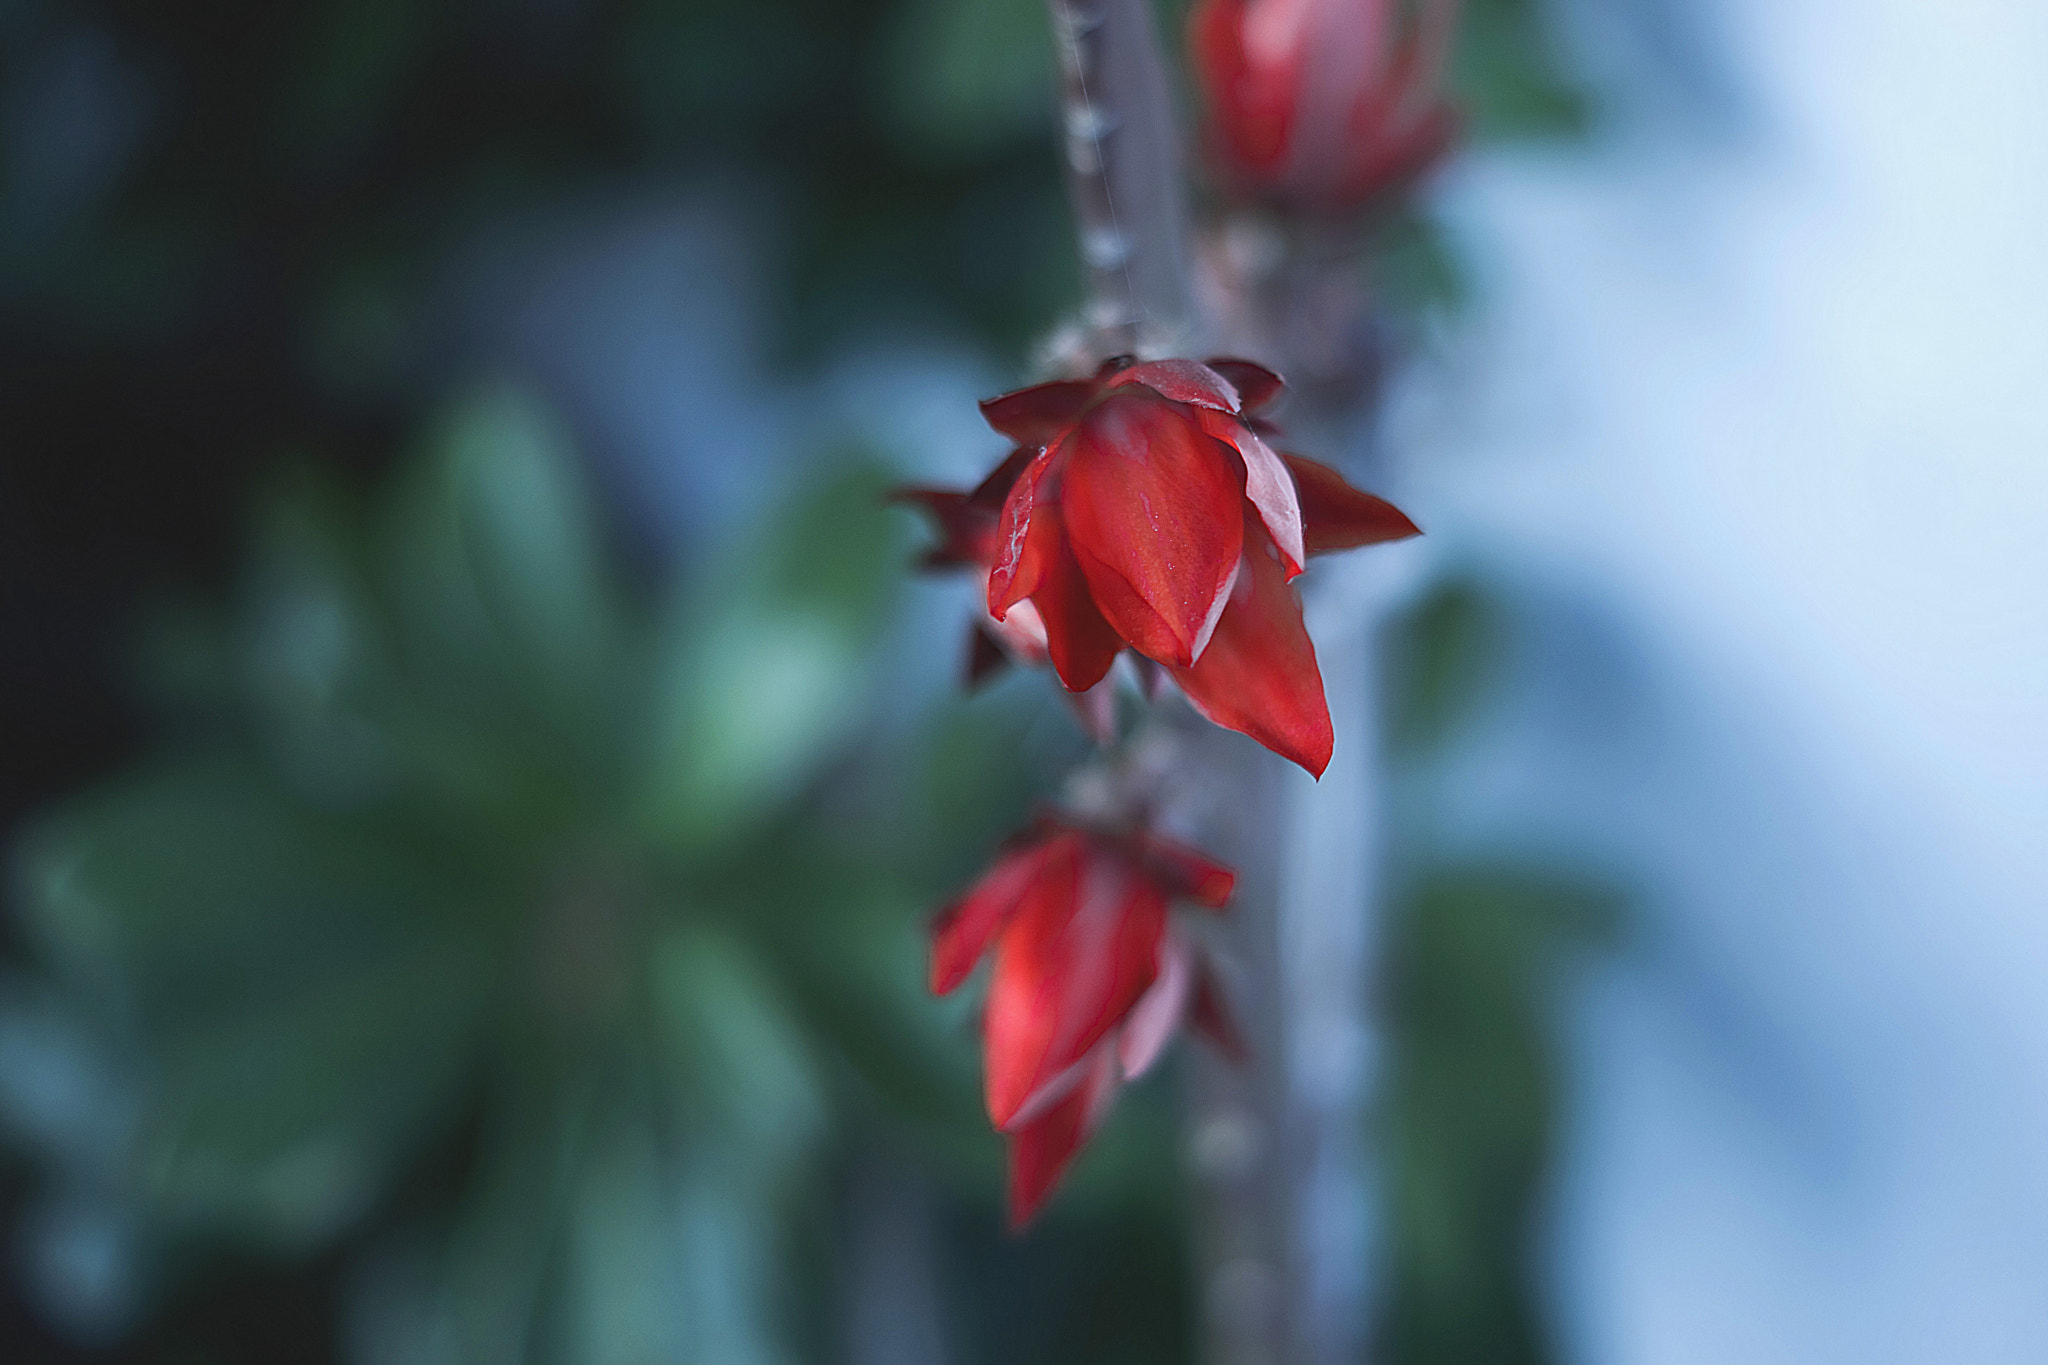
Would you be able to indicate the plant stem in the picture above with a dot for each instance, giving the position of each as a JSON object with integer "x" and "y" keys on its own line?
{"x": 1276, "y": 1144}
{"x": 1120, "y": 143}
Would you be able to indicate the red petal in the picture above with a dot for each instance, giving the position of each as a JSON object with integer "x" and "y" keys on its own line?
{"x": 1082, "y": 644}
{"x": 963, "y": 529}
{"x": 1211, "y": 1016}
{"x": 1255, "y": 384}
{"x": 1398, "y": 160}
{"x": 992, "y": 491}
{"x": 1152, "y": 507}
{"x": 1267, "y": 486}
{"x": 1017, "y": 558}
{"x": 1039, "y": 415}
{"x": 1041, "y": 1150}
{"x": 1183, "y": 381}
{"x": 1336, "y": 516}
{"x": 1069, "y": 966}
{"x": 1259, "y": 674}
{"x": 1188, "y": 871}
{"x": 961, "y": 932}
{"x": 1251, "y": 107}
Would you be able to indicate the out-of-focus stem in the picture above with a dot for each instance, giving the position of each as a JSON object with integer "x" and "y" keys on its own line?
{"x": 1281, "y": 1278}
{"x": 1119, "y": 139}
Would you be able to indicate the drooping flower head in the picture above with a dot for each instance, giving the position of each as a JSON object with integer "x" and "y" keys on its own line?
{"x": 1323, "y": 103}
{"x": 1144, "y": 509}
{"x": 1092, "y": 979}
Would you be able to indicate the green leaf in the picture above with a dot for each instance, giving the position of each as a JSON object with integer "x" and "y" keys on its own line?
{"x": 199, "y": 884}
{"x": 1469, "y": 1111}
{"x": 960, "y": 77}
{"x": 508, "y": 618}
{"x": 314, "y": 654}
{"x": 741, "y": 1066}
{"x": 1509, "y": 76}
{"x": 287, "y": 1123}
{"x": 1441, "y": 661}
{"x": 768, "y": 664}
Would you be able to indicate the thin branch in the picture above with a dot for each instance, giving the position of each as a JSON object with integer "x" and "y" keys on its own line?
{"x": 1120, "y": 140}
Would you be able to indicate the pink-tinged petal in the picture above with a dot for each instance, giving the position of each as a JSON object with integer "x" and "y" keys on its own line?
{"x": 1069, "y": 966}
{"x": 1252, "y": 104}
{"x": 1041, "y": 1150}
{"x": 1157, "y": 1015}
{"x": 1017, "y": 559}
{"x": 1403, "y": 129}
{"x": 1186, "y": 871}
{"x": 1021, "y": 631}
{"x": 1096, "y": 710}
{"x": 1081, "y": 643}
{"x": 1259, "y": 674}
{"x": 1267, "y": 486}
{"x": 1397, "y": 160}
{"x": 1255, "y": 384}
{"x": 1336, "y": 516}
{"x": 1212, "y": 1017}
{"x": 1152, "y": 506}
{"x": 1183, "y": 381}
{"x": 1039, "y": 415}
{"x": 962, "y": 931}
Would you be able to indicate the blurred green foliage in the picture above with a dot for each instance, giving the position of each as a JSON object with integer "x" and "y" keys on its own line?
{"x": 1480, "y": 958}
{"x": 520, "y": 954}
{"x": 445, "y": 848}
{"x": 1510, "y": 76}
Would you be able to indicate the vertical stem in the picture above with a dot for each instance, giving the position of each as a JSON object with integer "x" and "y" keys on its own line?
{"x": 1120, "y": 143}
{"x": 1330, "y": 921}
{"x": 1239, "y": 1148}
{"x": 1276, "y": 1145}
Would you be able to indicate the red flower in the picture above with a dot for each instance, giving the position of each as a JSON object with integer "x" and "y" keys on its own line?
{"x": 1091, "y": 981}
{"x": 1144, "y": 509}
{"x": 1323, "y": 103}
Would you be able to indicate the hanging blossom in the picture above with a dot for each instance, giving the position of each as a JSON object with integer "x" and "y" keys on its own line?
{"x": 1092, "y": 979}
{"x": 1144, "y": 510}
{"x": 1323, "y": 104}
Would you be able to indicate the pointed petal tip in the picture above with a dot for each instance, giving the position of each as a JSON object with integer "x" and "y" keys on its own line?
{"x": 1036, "y": 415}
{"x": 1259, "y": 675}
{"x": 1212, "y": 1017}
{"x": 1188, "y": 871}
{"x": 1256, "y": 385}
{"x": 1337, "y": 516}
{"x": 1041, "y": 1150}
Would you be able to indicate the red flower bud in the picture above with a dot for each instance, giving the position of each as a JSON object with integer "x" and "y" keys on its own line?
{"x": 1323, "y": 103}
{"x": 1091, "y": 981}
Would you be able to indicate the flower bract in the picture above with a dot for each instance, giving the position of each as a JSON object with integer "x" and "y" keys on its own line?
{"x": 1143, "y": 509}
{"x": 1323, "y": 104}
{"x": 1092, "y": 978}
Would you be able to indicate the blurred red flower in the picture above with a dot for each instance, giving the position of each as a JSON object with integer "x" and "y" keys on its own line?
{"x": 1091, "y": 981}
{"x": 1323, "y": 103}
{"x": 1143, "y": 508}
